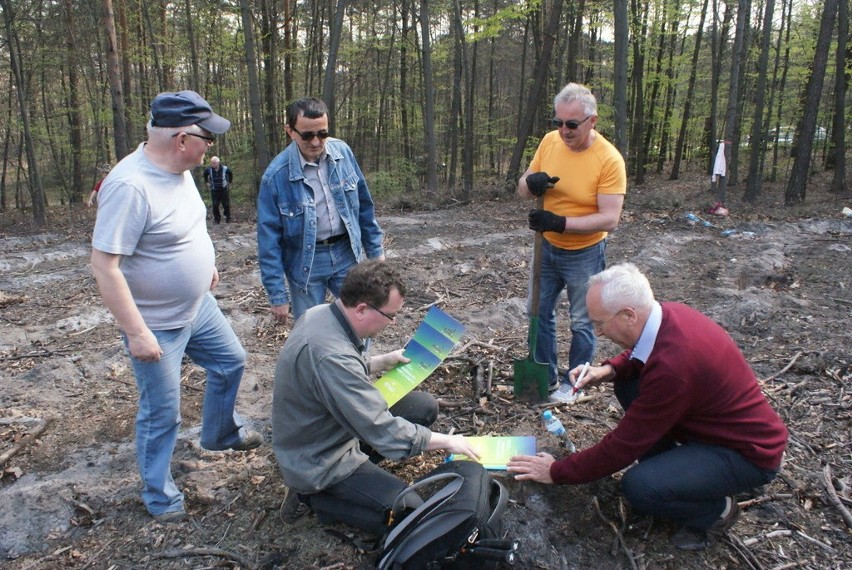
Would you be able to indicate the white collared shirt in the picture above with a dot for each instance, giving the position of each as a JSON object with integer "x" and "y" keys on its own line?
{"x": 646, "y": 341}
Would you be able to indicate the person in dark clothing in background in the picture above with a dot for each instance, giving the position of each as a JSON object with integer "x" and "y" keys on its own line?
{"x": 218, "y": 177}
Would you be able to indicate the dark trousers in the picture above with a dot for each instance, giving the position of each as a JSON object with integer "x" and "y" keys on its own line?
{"x": 363, "y": 499}
{"x": 221, "y": 197}
{"x": 686, "y": 483}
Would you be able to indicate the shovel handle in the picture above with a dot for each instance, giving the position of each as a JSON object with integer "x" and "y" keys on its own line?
{"x": 535, "y": 297}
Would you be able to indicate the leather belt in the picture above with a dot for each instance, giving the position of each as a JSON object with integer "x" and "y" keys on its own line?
{"x": 333, "y": 239}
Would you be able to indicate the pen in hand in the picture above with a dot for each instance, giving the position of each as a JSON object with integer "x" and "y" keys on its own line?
{"x": 582, "y": 374}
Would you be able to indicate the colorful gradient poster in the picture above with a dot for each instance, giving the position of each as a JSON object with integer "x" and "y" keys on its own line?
{"x": 496, "y": 450}
{"x": 433, "y": 341}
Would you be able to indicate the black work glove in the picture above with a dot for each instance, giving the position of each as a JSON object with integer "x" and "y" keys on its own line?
{"x": 544, "y": 221}
{"x": 539, "y": 182}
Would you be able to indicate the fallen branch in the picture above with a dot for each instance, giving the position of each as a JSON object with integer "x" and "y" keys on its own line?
{"x": 769, "y": 535}
{"x": 24, "y": 441}
{"x": 765, "y": 499}
{"x": 184, "y": 553}
{"x": 834, "y": 498}
{"x": 783, "y": 370}
{"x": 743, "y": 551}
{"x": 817, "y": 542}
{"x": 617, "y": 532}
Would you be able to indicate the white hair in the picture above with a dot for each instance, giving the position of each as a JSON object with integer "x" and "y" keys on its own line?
{"x": 576, "y": 92}
{"x": 623, "y": 285}
{"x": 165, "y": 133}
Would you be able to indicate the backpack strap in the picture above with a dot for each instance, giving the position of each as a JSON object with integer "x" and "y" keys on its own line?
{"x": 448, "y": 490}
{"x": 502, "y": 501}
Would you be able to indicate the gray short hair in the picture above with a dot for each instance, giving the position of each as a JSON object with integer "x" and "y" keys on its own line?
{"x": 576, "y": 92}
{"x": 165, "y": 133}
{"x": 623, "y": 285}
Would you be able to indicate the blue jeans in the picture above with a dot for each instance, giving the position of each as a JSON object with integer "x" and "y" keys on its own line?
{"x": 331, "y": 264}
{"x": 570, "y": 270}
{"x": 686, "y": 483}
{"x": 211, "y": 343}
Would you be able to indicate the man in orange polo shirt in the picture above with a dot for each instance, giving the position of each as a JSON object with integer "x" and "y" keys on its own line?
{"x": 582, "y": 179}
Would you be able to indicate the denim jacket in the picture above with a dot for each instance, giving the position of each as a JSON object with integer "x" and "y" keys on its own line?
{"x": 287, "y": 217}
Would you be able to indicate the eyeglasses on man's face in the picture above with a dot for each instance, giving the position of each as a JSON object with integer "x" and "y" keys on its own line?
{"x": 382, "y": 313}
{"x": 599, "y": 325}
{"x": 210, "y": 140}
{"x": 308, "y": 136}
{"x": 570, "y": 124}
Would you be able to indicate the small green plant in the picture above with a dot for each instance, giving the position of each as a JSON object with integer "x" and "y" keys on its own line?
{"x": 404, "y": 178}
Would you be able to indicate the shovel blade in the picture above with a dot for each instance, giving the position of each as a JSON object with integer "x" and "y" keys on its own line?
{"x": 531, "y": 380}
{"x": 531, "y": 377}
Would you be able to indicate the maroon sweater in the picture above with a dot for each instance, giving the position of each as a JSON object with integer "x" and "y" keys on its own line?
{"x": 696, "y": 386}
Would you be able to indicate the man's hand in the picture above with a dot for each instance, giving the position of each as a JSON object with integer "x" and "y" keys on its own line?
{"x": 593, "y": 375}
{"x": 280, "y": 312}
{"x": 545, "y": 221}
{"x": 532, "y": 467}
{"x": 382, "y": 362}
{"x": 144, "y": 346}
{"x": 539, "y": 182}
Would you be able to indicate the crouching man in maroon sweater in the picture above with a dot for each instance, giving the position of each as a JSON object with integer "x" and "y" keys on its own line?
{"x": 695, "y": 418}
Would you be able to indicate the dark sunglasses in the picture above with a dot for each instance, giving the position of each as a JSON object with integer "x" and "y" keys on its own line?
{"x": 210, "y": 140}
{"x": 309, "y": 135}
{"x": 572, "y": 124}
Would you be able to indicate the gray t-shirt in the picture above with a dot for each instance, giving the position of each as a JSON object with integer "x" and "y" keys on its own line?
{"x": 156, "y": 221}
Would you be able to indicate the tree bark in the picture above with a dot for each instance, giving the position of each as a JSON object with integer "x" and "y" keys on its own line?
{"x": 119, "y": 128}
{"x": 37, "y": 197}
{"x": 758, "y": 127}
{"x": 540, "y": 75}
{"x": 260, "y": 147}
{"x": 194, "y": 82}
{"x": 797, "y": 184}
{"x": 331, "y": 66}
{"x": 733, "y": 94}
{"x": 841, "y": 86}
{"x": 620, "y": 98}
{"x": 429, "y": 100}
{"x": 75, "y": 137}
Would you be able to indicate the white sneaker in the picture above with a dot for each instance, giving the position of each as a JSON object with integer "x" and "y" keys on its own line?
{"x": 565, "y": 395}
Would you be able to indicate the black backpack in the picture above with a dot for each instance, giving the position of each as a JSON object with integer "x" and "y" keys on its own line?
{"x": 457, "y": 526}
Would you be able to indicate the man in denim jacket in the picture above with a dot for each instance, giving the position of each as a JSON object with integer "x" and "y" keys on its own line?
{"x": 315, "y": 215}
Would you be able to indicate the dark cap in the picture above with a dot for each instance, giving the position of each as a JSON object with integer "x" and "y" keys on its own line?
{"x": 186, "y": 108}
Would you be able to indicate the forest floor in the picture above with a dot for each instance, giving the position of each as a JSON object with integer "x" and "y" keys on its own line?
{"x": 780, "y": 285}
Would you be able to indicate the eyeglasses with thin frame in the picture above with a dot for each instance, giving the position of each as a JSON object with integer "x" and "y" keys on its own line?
{"x": 382, "y": 313}
{"x": 210, "y": 140}
{"x": 598, "y": 325}
{"x": 570, "y": 124}
{"x": 308, "y": 136}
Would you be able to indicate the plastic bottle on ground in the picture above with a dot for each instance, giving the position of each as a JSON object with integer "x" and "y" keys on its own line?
{"x": 554, "y": 426}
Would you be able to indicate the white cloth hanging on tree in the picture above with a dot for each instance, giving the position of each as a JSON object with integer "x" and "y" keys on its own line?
{"x": 720, "y": 166}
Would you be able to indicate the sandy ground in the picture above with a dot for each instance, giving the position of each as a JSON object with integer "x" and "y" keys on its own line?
{"x": 780, "y": 283}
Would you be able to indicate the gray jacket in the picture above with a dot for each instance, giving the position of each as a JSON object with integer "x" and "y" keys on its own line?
{"x": 324, "y": 405}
